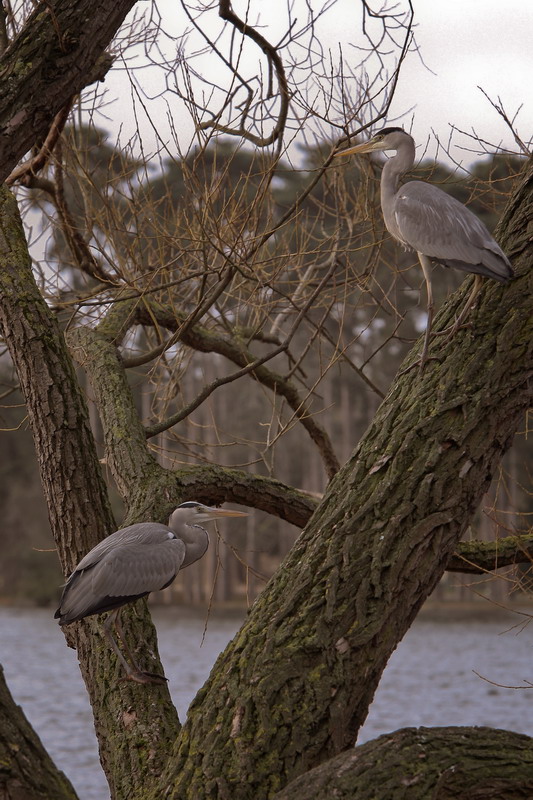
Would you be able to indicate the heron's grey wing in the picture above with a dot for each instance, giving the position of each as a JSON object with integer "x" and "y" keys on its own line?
{"x": 130, "y": 563}
{"x": 142, "y": 531}
{"x": 439, "y": 226}
{"x": 138, "y": 567}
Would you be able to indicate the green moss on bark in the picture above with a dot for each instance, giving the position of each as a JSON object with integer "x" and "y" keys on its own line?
{"x": 424, "y": 763}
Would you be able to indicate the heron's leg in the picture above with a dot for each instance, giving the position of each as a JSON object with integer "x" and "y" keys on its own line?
{"x": 111, "y": 622}
{"x": 133, "y": 672}
{"x": 425, "y": 263}
{"x": 451, "y": 330}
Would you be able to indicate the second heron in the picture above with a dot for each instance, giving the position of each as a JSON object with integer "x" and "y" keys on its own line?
{"x": 437, "y": 226}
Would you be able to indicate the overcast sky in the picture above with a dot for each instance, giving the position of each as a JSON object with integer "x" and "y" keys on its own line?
{"x": 467, "y": 44}
{"x": 463, "y": 43}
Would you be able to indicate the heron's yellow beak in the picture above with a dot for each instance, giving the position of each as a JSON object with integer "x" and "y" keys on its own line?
{"x": 215, "y": 513}
{"x": 365, "y": 147}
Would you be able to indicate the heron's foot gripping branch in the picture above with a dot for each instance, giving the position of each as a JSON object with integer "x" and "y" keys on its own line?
{"x": 144, "y": 677}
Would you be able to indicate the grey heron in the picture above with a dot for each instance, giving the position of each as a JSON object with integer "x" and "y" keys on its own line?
{"x": 131, "y": 563}
{"x": 437, "y": 226}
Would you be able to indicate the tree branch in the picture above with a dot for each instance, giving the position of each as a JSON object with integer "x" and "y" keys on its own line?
{"x": 53, "y": 58}
{"x": 234, "y": 350}
{"x": 226, "y": 13}
{"x": 480, "y": 557}
{"x": 425, "y": 764}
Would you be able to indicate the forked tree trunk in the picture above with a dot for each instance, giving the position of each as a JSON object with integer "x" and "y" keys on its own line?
{"x": 294, "y": 686}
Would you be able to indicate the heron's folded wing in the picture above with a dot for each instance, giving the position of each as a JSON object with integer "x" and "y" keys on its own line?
{"x": 439, "y": 226}
{"x": 137, "y": 568}
{"x": 142, "y": 531}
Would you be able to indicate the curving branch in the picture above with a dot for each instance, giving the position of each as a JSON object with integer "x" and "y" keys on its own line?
{"x": 203, "y": 340}
{"x": 217, "y": 485}
{"x": 227, "y": 13}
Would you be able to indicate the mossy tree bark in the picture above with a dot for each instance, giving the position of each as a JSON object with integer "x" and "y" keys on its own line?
{"x": 26, "y": 769}
{"x": 423, "y": 763}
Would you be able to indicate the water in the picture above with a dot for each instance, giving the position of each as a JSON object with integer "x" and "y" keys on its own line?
{"x": 429, "y": 679}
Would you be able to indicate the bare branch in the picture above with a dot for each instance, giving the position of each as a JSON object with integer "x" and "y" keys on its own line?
{"x": 226, "y": 13}
{"x": 39, "y": 161}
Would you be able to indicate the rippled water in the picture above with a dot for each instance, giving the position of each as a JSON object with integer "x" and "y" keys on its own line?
{"x": 428, "y": 681}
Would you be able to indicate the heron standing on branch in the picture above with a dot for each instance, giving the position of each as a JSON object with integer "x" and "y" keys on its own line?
{"x": 441, "y": 229}
{"x": 131, "y": 563}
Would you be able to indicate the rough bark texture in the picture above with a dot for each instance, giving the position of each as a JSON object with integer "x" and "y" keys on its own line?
{"x": 295, "y": 685}
{"x": 130, "y": 720}
{"x": 26, "y": 769}
{"x": 425, "y": 764}
{"x": 55, "y": 55}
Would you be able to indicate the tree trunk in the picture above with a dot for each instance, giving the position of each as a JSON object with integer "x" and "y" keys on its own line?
{"x": 26, "y": 769}
{"x": 131, "y": 721}
{"x": 424, "y": 763}
{"x": 294, "y": 686}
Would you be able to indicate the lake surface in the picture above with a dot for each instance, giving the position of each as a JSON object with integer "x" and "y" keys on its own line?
{"x": 429, "y": 679}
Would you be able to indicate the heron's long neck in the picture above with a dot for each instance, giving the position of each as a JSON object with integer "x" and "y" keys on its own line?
{"x": 196, "y": 539}
{"x": 393, "y": 170}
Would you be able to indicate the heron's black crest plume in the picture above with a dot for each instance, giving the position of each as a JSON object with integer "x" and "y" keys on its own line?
{"x": 384, "y": 131}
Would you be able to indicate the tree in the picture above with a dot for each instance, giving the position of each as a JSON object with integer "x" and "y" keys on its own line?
{"x": 282, "y": 698}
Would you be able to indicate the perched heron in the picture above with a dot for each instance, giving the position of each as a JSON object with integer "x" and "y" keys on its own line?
{"x": 131, "y": 563}
{"x": 424, "y": 218}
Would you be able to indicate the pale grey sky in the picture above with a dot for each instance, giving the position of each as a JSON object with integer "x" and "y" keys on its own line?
{"x": 463, "y": 44}
{"x": 469, "y": 44}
